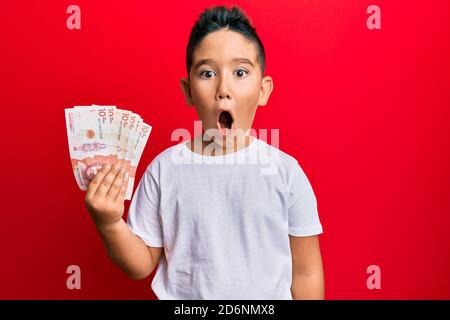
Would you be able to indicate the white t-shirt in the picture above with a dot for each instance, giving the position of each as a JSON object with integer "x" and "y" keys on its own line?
{"x": 224, "y": 221}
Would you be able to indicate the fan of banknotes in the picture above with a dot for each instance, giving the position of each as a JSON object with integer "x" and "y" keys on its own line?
{"x": 100, "y": 135}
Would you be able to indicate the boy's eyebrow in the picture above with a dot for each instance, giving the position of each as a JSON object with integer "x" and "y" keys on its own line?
{"x": 211, "y": 61}
{"x": 243, "y": 60}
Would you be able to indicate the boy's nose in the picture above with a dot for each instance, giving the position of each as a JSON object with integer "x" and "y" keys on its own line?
{"x": 224, "y": 96}
{"x": 223, "y": 91}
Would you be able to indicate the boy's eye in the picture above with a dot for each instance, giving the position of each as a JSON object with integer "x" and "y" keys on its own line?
{"x": 207, "y": 74}
{"x": 241, "y": 73}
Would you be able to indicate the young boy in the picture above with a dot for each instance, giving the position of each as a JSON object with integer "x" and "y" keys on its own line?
{"x": 214, "y": 222}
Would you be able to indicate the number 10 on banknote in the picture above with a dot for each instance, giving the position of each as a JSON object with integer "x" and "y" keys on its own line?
{"x": 100, "y": 135}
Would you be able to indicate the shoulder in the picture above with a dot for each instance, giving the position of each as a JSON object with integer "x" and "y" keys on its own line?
{"x": 287, "y": 164}
{"x": 163, "y": 160}
{"x": 288, "y": 167}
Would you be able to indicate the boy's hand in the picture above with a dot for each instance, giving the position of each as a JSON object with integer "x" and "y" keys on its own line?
{"x": 105, "y": 195}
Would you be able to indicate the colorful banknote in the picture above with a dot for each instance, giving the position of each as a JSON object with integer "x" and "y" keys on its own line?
{"x": 100, "y": 135}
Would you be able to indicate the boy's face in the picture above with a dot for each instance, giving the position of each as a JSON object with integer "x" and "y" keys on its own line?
{"x": 225, "y": 82}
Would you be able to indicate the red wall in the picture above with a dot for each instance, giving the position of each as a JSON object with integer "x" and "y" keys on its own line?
{"x": 366, "y": 113}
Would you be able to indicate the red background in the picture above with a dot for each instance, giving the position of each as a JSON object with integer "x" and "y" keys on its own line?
{"x": 366, "y": 113}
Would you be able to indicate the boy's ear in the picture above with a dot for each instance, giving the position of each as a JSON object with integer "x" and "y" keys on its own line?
{"x": 186, "y": 90}
{"x": 266, "y": 90}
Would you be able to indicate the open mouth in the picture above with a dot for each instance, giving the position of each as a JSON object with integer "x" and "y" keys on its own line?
{"x": 225, "y": 120}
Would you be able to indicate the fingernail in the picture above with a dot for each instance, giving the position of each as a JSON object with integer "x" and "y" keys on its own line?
{"x": 122, "y": 170}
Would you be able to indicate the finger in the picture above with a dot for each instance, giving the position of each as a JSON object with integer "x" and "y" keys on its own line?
{"x": 123, "y": 189}
{"x": 95, "y": 182}
{"x": 116, "y": 185}
{"x": 108, "y": 180}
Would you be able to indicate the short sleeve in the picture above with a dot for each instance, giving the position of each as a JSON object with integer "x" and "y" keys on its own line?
{"x": 302, "y": 205}
{"x": 143, "y": 214}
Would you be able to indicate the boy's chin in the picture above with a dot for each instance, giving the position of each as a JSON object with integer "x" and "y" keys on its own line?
{"x": 226, "y": 141}
{"x": 226, "y": 138}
